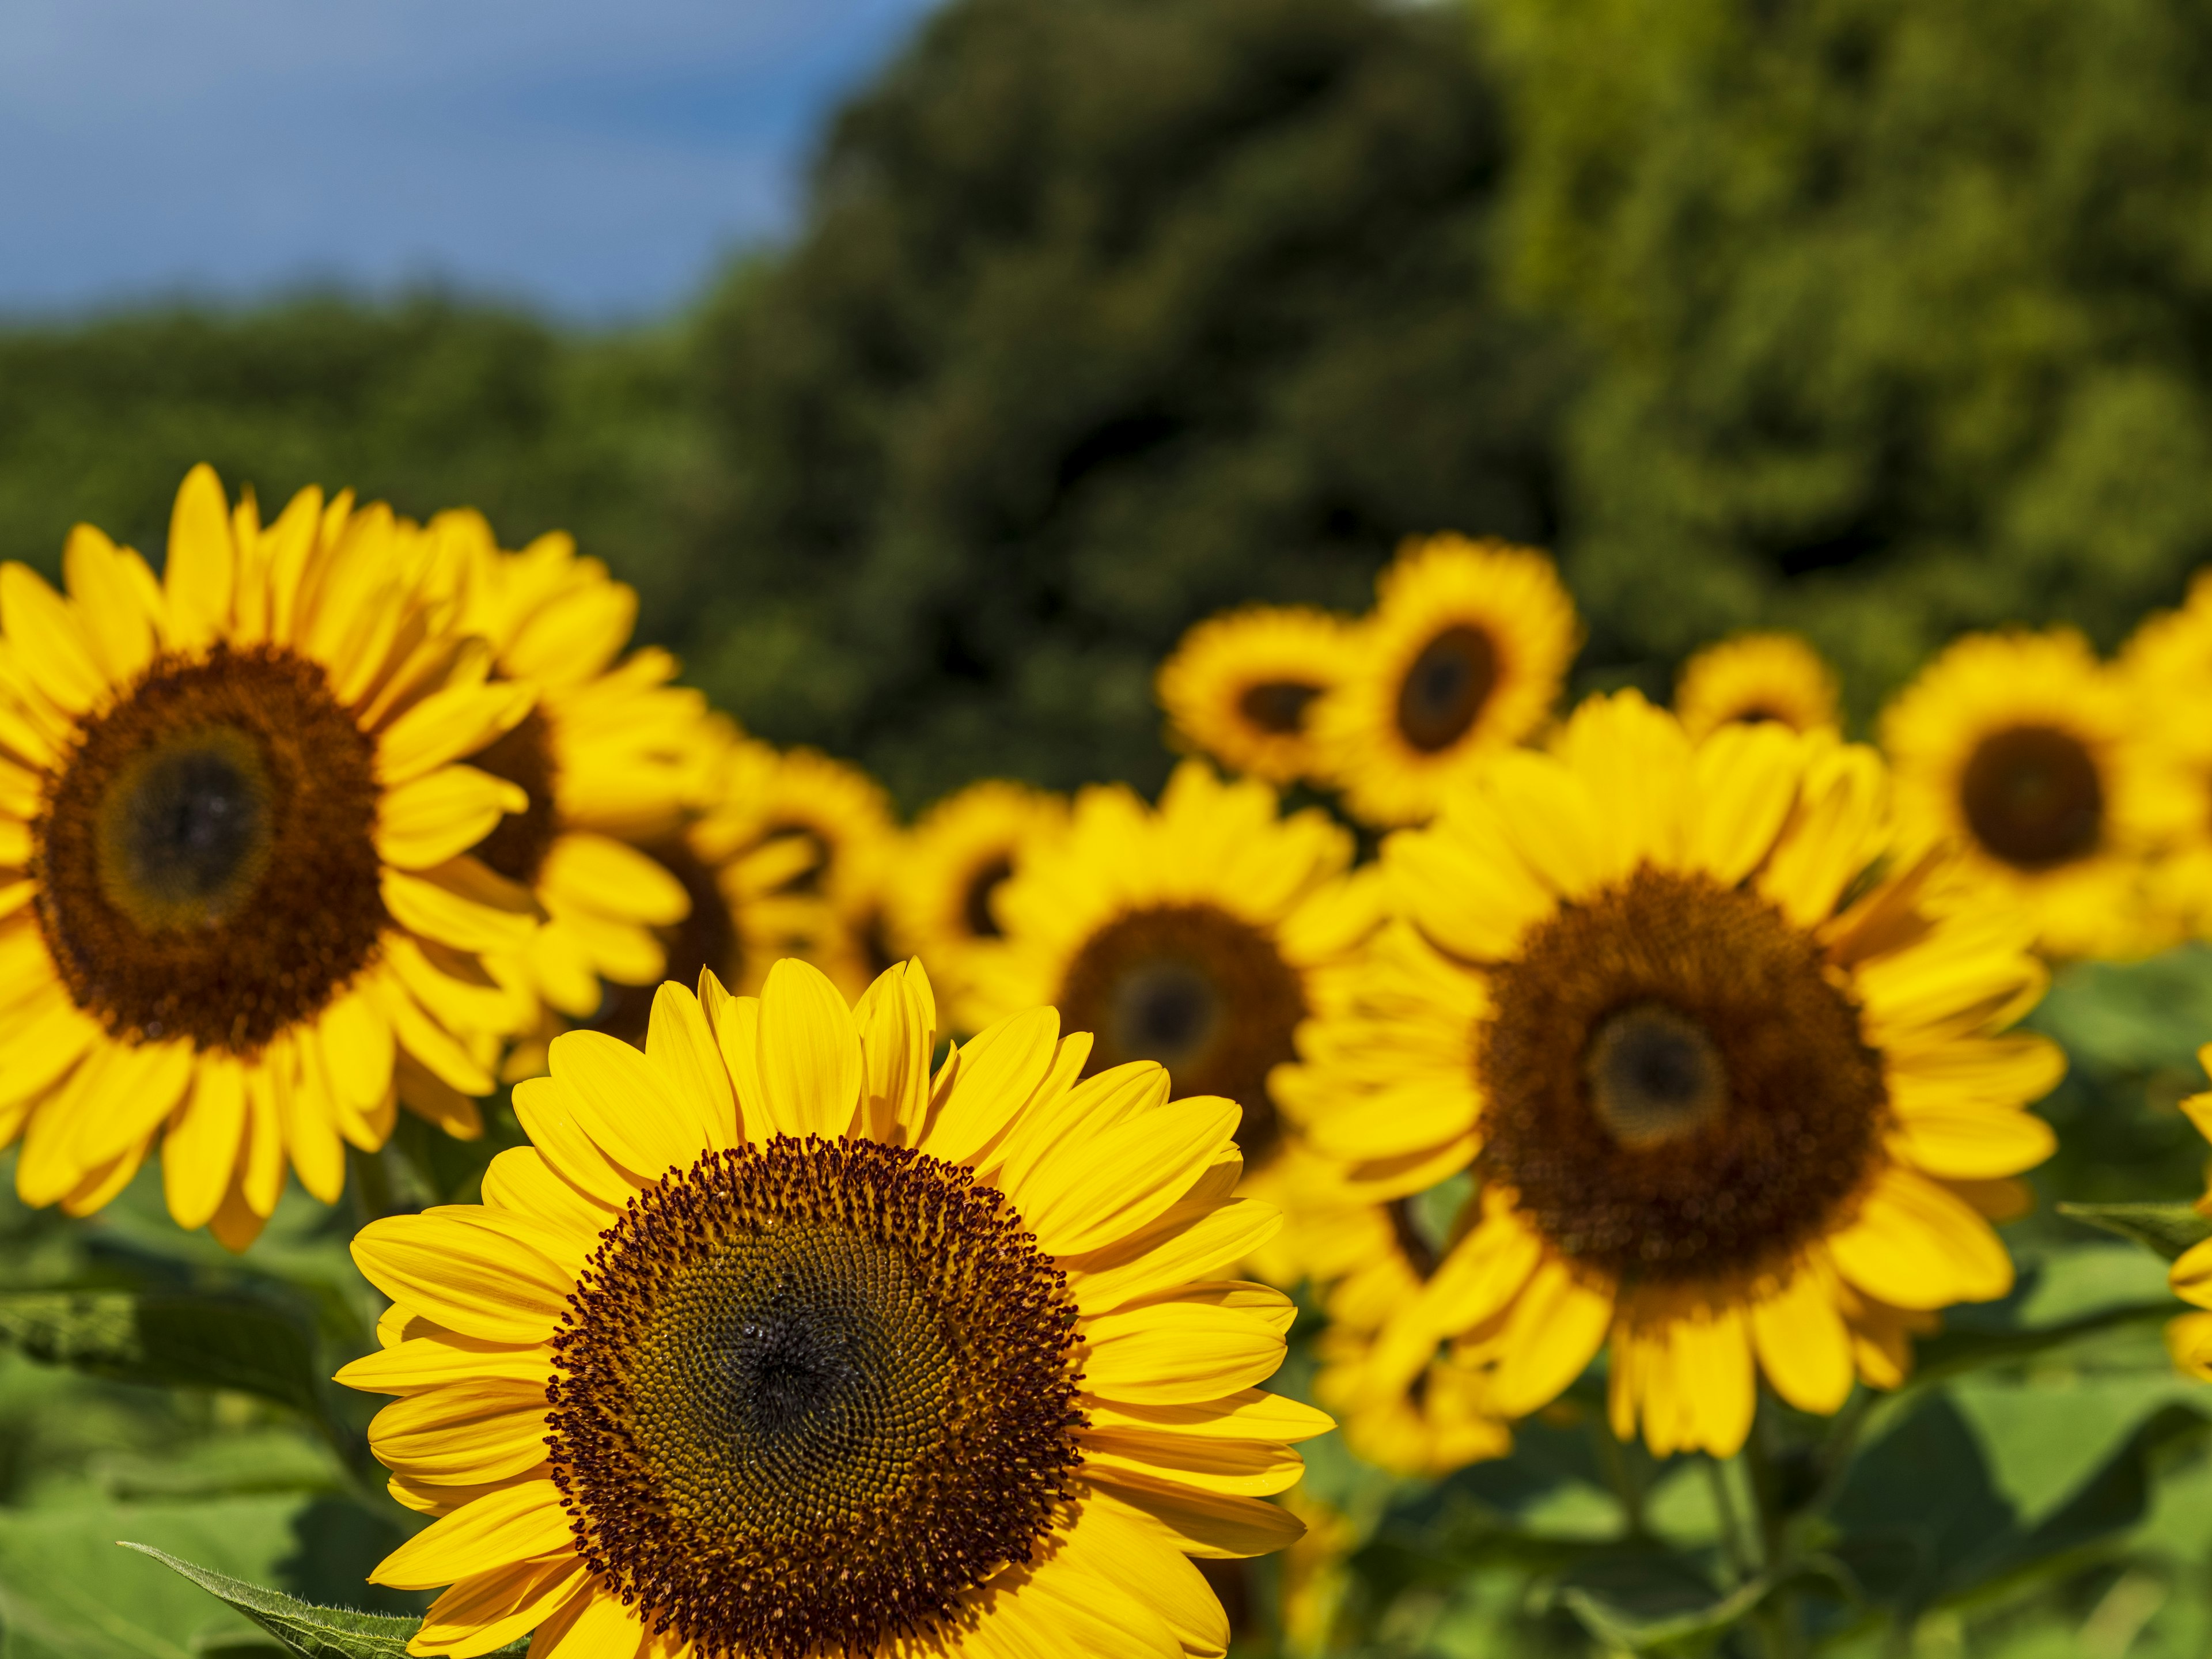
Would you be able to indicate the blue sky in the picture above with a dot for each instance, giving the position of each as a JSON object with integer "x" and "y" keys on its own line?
{"x": 592, "y": 158}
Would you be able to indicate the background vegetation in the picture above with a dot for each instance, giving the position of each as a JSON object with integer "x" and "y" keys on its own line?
{"x": 1879, "y": 320}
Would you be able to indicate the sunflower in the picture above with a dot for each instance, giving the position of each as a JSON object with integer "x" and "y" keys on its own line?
{"x": 1196, "y": 934}
{"x": 1239, "y": 687}
{"x": 605, "y": 759}
{"x": 1756, "y": 677}
{"x": 2026, "y": 751}
{"x": 2166, "y": 667}
{"x": 841, "y": 818}
{"x": 957, "y": 855}
{"x": 773, "y": 1345}
{"x": 241, "y": 914}
{"x": 1734, "y": 1096}
{"x": 747, "y": 901}
{"x": 1463, "y": 655}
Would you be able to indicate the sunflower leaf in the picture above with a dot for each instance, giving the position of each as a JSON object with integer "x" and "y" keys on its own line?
{"x": 302, "y": 1627}
{"x": 171, "y": 1339}
{"x": 2169, "y": 1229}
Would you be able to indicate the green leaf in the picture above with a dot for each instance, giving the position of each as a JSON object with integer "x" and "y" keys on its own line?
{"x": 171, "y": 1339}
{"x": 2169, "y": 1229}
{"x": 313, "y": 1632}
{"x": 1949, "y": 1352}
{"x": 1645, "y": 1601}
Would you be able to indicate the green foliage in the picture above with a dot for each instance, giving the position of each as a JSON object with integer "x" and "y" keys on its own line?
{"x": 427, "y": 404}
{"x": 1109, "y": 313}
{"x": 1897, "y": 313}
{"x": 301, "y": 1627}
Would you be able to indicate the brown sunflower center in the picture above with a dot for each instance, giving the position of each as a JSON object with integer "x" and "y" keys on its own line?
{"x": 1206, "y": 995}
{"x": 975, "y": 912}
{"x": 205, "y": 858}
{"x": 708, "y": 937}
{"x": 524, "y": 757}
{"x": 1277, "y": 707}
{"x": 808, "y": 1394}
{"x": 1444, "y": 690}
{"x": 1673, "y": 1087}
{"x": 2034, "y": 797}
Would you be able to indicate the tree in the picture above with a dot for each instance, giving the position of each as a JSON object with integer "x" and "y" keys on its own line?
{"x": 1903, "y": 313}
{"x": 1107, "y": 314}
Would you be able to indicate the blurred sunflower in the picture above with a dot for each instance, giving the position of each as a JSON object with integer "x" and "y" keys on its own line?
{"x": 1734, "y": 1098}
{"x": 2166, "y": 667}
{"x": 1240, "y": 687}
{"x": 957, "y": 855}
{"x": 773, "y": 1344}
{"x": 1194, "y": 933}
{"x": 1463, "y": 655}
{"x": 748, "y": 904}
{"x": 605, "y": 759}
{"x": 2029, "y": 754}
{"x": 1756, "y": 677}
{"x": 243, "y": 911}
{"x": 842, "y": 819}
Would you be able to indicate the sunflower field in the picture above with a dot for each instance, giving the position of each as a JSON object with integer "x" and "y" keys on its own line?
{"x": 1370, "y": 831}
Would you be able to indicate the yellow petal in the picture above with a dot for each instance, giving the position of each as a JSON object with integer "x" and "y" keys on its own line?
{"x": 619, "y": 1097}
{"x": 999, "y": 1068}
{"x": 116, "y": 599}
{"x": 202, "y": 1147}
{"x": 1177, "y": 1353}
{"x": 548, "y": 1115}
{"x": 520, "y": 1179}
{"x": 1914, "y": 1245}
{"x": 1746, "y": 781}
{"x": 434, "y": 909}
{"x": 681, "y": 1046}
{"x": 614, "y": 879}
{"x": 49, "y": 642}
{"x": 448, "y": 725}
{"x": 201, "y": 561}
{"x": 1163, "y": 1259}
{"x": 441, "y": 814}
{"x": 500, "y": 1529}
{"x": 464, "y": 1277}
{"x": 486, "y": 1613}
{"x": 429, "y": 1362}
{"x": 1972, "y": 1143}
{"x": 1125, "y": 1177}
{"x": 1803, "y": 1343}
{"x": 1212, "y": 1526}
{"x": 896, "y": 1019}
{"x": 477, "y": 1428}
{"x": 1556, "y": 1327}
{"x": 810, "y": 1054}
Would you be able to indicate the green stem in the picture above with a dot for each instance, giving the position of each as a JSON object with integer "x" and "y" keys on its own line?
{"x": 1731, "y": 1530}
{"x": 1777, "y": 1614}
{"x": 1613, "y": 1458}
{"x": 373, "y": 1196}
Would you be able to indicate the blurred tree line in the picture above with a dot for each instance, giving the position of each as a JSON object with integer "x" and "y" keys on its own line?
{"x": 1875, "y": 320}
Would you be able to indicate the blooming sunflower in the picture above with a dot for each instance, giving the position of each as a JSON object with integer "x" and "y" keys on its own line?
{"x": 747, "y": 901}
{"x": 1463, "y": 655}
{"x": 1196, "y": 934}
{"x": 241, "y": 910}
{"x": 606, "y": 759}
{"x": 1734, "y": 1098}
{"x": 957, "y": 855}
{"x": 2028, "y": 753}
{"x": 1756, "y": 677}
{"x": 1239, "y": 687}
{"x": 775, "y": 1345}
{"x": 842, "y": 819}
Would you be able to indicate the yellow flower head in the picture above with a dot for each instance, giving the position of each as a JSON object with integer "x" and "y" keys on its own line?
{"x": 774, "y": 1344}
{"x": 242, "y": 919}
{"x": 1240, "y": 687}
{"x": 1197, "y": 933}
{"x": 841, "y": 820}
{"x": 606, "y": 759}
{"x": 1734, "y": 1098}
{"x": 1756, "y": 677}
{"x": 1464, "y": 654}
{"x": 957, "y": 855}
{"x": 2028, "y": 754}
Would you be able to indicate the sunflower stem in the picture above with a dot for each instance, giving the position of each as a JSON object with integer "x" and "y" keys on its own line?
{"x": 1733, "y": 1550}
{"x": 1777, "y": 1614}
{"x": 373, "y": 1194}
{"x": 1613, "y": 1458}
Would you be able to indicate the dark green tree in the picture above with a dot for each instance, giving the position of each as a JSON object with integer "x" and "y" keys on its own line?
{"x": 1904, "y": 313}
{"x": 1107, "y": 314}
